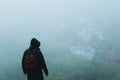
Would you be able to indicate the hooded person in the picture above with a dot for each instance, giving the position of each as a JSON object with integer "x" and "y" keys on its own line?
{"x": 34, "y": 73}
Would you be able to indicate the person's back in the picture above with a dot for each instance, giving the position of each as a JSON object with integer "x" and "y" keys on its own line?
{"x": 35, "y": 73}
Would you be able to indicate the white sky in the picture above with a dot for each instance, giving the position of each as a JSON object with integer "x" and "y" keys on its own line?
{"x": 31, "y": 18}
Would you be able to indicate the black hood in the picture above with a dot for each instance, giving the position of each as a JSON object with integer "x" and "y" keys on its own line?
{"x": 35, "y": 43}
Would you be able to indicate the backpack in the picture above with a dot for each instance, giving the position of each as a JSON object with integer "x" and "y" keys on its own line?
{"x": 29, "y": 60}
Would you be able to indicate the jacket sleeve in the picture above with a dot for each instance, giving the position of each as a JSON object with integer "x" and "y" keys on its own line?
{"x": 43, "y": 64}
{"x": 23, "y": 68}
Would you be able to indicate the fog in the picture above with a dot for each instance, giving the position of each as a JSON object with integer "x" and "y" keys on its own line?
{"x": 79, "y": 38}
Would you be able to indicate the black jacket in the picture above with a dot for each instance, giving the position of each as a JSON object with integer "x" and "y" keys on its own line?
{"x": 40, "y": 62}
{"x": 36, "y": 73}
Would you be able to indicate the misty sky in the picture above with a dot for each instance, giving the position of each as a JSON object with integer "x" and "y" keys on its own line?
{"x": 20, "y": 20}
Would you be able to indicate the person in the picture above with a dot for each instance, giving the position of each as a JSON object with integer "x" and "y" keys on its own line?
{"x": 35, "y": 73}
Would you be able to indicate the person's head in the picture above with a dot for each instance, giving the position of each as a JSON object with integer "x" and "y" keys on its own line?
{"x": 35, "y": 43}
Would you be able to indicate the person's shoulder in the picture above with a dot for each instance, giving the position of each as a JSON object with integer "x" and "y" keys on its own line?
{"x": 39, "y": 52}
{"x": 26, "y": 50}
